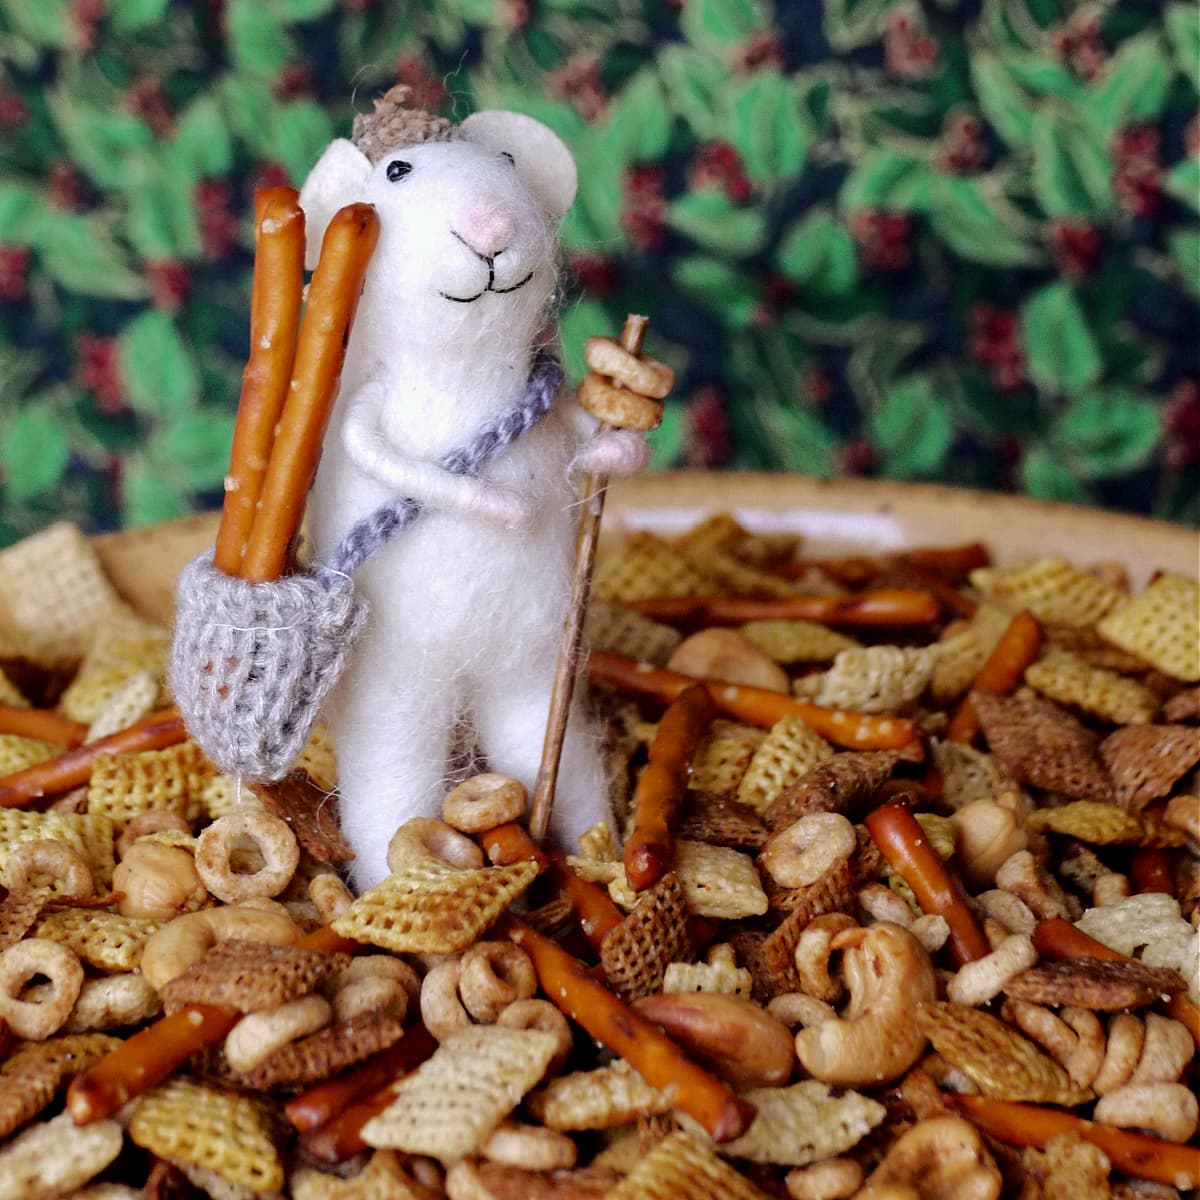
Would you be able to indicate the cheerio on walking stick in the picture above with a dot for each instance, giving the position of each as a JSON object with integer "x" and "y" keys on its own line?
{"x": 624, "y": 391}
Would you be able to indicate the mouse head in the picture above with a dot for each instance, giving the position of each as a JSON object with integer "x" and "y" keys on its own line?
{"x": 468, "y": 224}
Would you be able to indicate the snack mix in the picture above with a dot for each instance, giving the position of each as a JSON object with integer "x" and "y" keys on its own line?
{"x": 900, "y": 903}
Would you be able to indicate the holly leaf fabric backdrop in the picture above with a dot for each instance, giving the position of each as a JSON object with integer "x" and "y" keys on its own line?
{"x": 955, "y": 240}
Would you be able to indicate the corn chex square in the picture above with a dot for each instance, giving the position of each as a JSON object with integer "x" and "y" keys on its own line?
{"x": 1069, "y": 679}
{"x": 429, "y": 908}
{"x": 448, "y": 1106}
{"x": 172, "y": 779}
{"x": 1052, "y": 589}
{"x": 717, "y": 882}
{"x": 17, "y": 753}
{"x": 681, "y": 1167}
{"x": 58, "y": 565}
{"x": 723, "y": 756}
{"x": 790, "y": 750}
{"x": 197, "y": 1125}
{"x": 646, "y": 566}
{"x": 10, "y": 694}
{"x": 100, "y": 938}
{"x": 791, "y": 642}
{"x": 800, "y": 1124}
{"x": 89, "y": 833}
{"x": 1160, "y": 625}
{"x": 120, "y": 649}
{"x": 623, "y": 631}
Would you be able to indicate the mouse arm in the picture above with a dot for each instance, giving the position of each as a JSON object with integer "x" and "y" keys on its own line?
{"x": 425, "y": 482}
{"x": 605, "y": 451}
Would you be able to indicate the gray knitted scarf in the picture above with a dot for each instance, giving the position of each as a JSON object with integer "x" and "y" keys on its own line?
{"x": 372, "y": 533}
{"x": 252, "y": 663}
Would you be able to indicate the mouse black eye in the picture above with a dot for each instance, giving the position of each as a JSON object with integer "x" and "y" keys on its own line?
{"x": 505, "y": 154}
{"x": 397, "y": 169}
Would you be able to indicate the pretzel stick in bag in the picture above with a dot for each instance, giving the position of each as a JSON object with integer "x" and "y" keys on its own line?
{"x": 886, "y": 607}
{"x": 320, "y": 351}
{"x": 41, "y": 723}
{"x": 657, "y": 1059}
{"x": 275, "y": 303}
{"x": 74, "y": 768}
{"x": 1034, "y": 1125}
{"x": 755, "y": 706}
{"x": 649, "y": 849}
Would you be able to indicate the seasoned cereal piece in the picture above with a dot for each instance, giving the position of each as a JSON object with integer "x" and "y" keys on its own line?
{"x": 1094, "y": 983}
{"x": 251, "y": 976}
{"x": 57, "y": 562}
{"x": 649, "y": 566}
{"x": 448, "y": 1106}
{"x": 1042, "y": 744}
{"x": 432, "y": 909}
{"x": 790, "y": 750}
{"x": 132, "y": 700}
{"x": 842, "y": 783}
{"x": 681, "y": 1167}
{"x": 718, "y": 974}
{"x": 791, "y": 642}
{"x": 1146, "y": 761}
{"x": 1104, "y": 825}
{"x": 1052, "y": 589}
{"x": 994, "y": 1057}
{"x": 102, "y": 939}
{"x": 717, "y": 882}
{"x": 172, "y": 780}
{"x": 1069, "y": 679}
{"x": 17, "y": 753}
{"x": 310, "y": 813}
{"x": 601, "y": 1098}
{"x": 872, "y": 679}
{"x": 623, "y": 631}
{"x": 197, "y": 1125}
{"x": 636, "y": 952}
{"x": 52, "y": 1158}
{"x": 723, "y": 757}
{"x": 800, "y": 1124}
{"x": 500, "y": 1181}
{"x": 1160, "y": 626}
{"x": 721, "y": 821}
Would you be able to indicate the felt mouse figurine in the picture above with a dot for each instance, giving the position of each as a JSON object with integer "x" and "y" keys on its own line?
{"x": 450, "y": 423}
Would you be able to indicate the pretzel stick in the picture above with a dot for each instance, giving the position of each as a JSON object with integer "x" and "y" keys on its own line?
{"x": 275, "y": 303}
{"x": 887, "y": 607}
{"x": 755, "y": 706}
{"x": 1058, "y": 938}
{"x": 41, "y": 723}
{"x": 153, "y": 1053}
{"x": 1004, "y": 669}
{"x": 951, "y": 563}
{"x": 592, "y": 906}
{"x": 332, "y": 299}
{"x": 657, "y": 1059}
{"x": 593, "y": 489}
{"x": 1133, "y": 1153}
{"x": 70, "y": 770}
{"x": 902, "y": 841}
{"x": 1150, "y": 871}
{"x": 340, "y": 1137}
{"x": 331, "y": 1097}
{"x": 649, "y": 849}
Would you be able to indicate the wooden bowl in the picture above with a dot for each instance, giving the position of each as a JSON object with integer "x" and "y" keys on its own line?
{"x": 861, "y": 516}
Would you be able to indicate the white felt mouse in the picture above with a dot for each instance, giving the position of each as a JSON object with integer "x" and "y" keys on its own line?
{"x": 467, "y": 603}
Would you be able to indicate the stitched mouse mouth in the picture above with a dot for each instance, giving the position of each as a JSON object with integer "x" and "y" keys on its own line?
{"x": 490, "y": 261}
{"x": 488, "y": 288}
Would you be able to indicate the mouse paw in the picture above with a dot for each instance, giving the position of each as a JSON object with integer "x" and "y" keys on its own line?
{"x": 613, "y": 452}
{"x": 501, "y": 506}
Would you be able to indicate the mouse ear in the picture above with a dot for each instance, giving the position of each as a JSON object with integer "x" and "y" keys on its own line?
{"x": 338, "y": 178}
{"x": 542, "y": 158}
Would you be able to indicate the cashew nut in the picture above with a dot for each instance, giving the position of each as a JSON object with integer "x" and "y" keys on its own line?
{"x": 940, "y": 1159}
{"x": 187, "y": 939}
{"x": 888, "y": 973}
{"x": 1167, "y": 1109}
{"x": 727, "y": 655}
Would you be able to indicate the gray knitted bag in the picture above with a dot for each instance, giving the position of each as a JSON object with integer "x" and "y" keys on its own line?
{"x": 252, "y": 663}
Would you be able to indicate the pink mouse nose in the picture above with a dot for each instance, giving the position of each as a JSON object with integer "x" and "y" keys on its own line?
{"x": 488, "y": 228}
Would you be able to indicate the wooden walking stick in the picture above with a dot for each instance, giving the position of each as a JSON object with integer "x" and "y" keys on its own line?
{"x": 625, "y": 391}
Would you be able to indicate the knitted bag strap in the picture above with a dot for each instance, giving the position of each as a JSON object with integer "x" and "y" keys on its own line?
{"x": 372, "y": 533}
